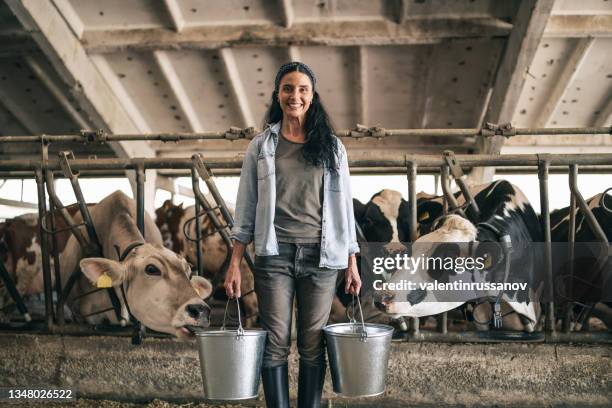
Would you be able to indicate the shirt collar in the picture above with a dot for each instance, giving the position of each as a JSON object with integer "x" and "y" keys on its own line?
{"x": 275, "y": 127}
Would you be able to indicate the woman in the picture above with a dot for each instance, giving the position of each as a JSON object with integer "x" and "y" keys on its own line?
{"x": 294, "y": 201}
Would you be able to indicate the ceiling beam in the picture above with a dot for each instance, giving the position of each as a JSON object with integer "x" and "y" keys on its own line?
{"x": 231, "y": 70}
{"x": 530, "y": 21}
{"x": 176, "y": 16}
{"x": 414, "y": 30}
{"x": 59, "y": 95}
{"x": 294, "y": 53}
{"x": 563, "y": 81}
{"x": 565, "y": 26}
{"x": 397, "y": 11}
{"x": 361, "y": 73}
{"x": 71, "y": 16}
{"x": 287, "y": 12}
{"x": 335, "y": 33}
{"x": 165, "y": 65}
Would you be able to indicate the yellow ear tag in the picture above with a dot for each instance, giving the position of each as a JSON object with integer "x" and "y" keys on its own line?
{"x": 424, "y": 216}
{"x": 104, "y": 281}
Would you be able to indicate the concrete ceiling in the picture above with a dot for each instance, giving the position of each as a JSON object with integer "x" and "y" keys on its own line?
{"x": 143, "y": 66}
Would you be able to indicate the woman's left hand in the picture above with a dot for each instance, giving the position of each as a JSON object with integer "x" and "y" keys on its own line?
{"x": 353, "y": 281}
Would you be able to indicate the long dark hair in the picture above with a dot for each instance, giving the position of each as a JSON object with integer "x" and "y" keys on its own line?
{"x": 320, "y": 148}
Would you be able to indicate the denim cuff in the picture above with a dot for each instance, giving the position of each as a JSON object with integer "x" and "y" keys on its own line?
{"x": 243, "y": 236}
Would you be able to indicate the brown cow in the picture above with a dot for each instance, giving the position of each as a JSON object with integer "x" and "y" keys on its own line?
{"x": 21, "y": 253}
{"x": 155, "y": 280}
{"x": 171, "y": 221}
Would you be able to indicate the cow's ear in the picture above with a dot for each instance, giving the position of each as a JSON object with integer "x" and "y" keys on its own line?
{"x": 359, "y": 210}
{"x": 202, "y": 286}
{"x": 103, "y": 273}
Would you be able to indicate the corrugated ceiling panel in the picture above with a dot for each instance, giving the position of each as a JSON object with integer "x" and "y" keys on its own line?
{"x": 257, "y": 67}
{"x": 145, "y": 84}
{"x": 336, "y": 81}
{"x": 121, "y": 14}
{"x": 9, "y": 124}
{"x": 395, "y": 78}
{"x": 590, "y": 89}
{"x": 582, "y": 7}
{"x": 8, "y": 21}
{"x": 502, "y": 9}
{"x": 203, "y": 77}
{"x": 459, "y": 75}
{"x": 31, "y": 96}
{"x": 196, "y": 12}
{"x": 543, "y": 74}
{"x": 338, "y": 10}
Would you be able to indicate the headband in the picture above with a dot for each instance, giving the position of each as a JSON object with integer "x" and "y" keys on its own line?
{"x": 294, "y": 66}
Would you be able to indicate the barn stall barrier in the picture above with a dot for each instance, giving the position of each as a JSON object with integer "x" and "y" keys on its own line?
{"x": 92, "y": 248}
{"x": 385, "y": 165}
{"x": 427, "y": 163}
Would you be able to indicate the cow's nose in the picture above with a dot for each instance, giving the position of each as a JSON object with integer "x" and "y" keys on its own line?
{"x": 381, "y": 299}
{"x": 198, "y": 311}
{"x": 395, "y": 247}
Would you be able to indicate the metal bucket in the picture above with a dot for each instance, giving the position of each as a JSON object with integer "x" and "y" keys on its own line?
{"x": 230, "y": 361}
{"x": 358, "y": 357}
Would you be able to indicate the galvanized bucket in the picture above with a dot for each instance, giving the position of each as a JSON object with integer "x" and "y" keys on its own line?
{"x": 358, "y": 356}
{"x": 230, "y": 361}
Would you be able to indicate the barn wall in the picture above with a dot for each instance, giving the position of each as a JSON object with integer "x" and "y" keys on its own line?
{"x": 424, "y": 374}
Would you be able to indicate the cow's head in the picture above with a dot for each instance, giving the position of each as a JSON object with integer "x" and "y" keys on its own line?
{"x": 443, "y": 242}
{"x": 385, "y": 218}
{"x": 158, "y": 287}
{"x": 168, "y": 219}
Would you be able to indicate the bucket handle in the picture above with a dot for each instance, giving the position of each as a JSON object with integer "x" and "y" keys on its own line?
{"x": 364, "y": 333}
{"x": 240, "y": 331}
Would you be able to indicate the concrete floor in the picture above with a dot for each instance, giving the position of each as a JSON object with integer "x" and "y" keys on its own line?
{"x": 427, "y": 374}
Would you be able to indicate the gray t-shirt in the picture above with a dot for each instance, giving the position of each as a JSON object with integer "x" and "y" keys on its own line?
{"x": 299, "y": 195}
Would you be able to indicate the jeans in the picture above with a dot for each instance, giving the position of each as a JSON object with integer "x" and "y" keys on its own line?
{"x": 294, "y": 271}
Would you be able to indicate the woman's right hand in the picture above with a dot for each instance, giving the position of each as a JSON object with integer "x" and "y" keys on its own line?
{"x": 233, "y": 277}
{"x": 232, "y": 281}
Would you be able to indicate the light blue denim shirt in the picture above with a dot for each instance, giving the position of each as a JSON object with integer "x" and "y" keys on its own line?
{"x": 256, "y": 204}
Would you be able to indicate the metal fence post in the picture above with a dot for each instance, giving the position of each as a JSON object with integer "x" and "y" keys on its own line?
{"x": 543, "y": 167}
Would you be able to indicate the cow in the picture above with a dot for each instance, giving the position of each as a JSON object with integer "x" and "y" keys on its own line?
{"x": 153, "y": 283}
{"x": 383, "y": 219}
{"x": 504, "y": 209}
{"x": 171, "y": 220}
{"x": 590, "y": 284}
{"x": 20, "y": 252}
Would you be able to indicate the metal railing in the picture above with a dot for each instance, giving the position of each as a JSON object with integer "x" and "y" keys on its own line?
{"x": 410, "y": 164}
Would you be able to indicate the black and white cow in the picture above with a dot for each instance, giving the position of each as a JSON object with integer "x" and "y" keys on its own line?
{"x": 590, "y": 284}
{"x": 504, "y": 209}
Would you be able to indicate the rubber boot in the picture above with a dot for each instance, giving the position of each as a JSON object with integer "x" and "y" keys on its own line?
{"x": 310, "y": 385}
{"x": 276, "y": 386}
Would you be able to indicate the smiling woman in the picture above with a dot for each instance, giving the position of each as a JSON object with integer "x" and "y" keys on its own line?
{"x": 294, "y": 200}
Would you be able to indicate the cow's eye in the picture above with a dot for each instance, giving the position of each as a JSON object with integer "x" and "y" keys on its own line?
{"x": 152, "y": 270}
